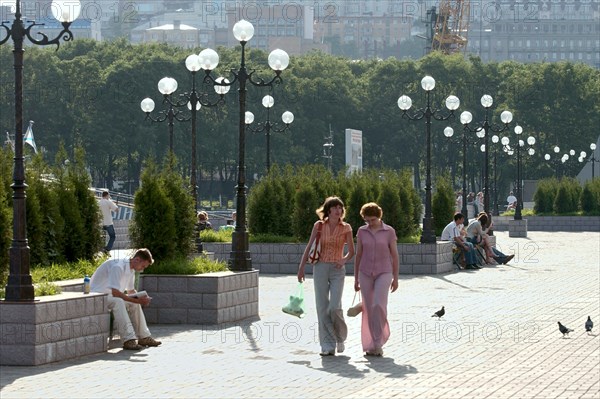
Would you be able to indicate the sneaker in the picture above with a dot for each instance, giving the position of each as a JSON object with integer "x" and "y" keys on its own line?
{"x": 340, "y": 347}
{"x": 132, "y": 345}
{"x": 508, "y": 259}
{"x": 327, "y": 353}
{"x": 149, "y": 341}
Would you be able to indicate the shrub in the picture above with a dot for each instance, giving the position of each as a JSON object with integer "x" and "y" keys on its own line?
{"x": 358, "y": 197}
{"x": 590, "y": 197}
{"x": 562, "y": 201}
{"x": 389, "y": 201}
{"x": 153, "y": 224}
{"x": 544, "y": 196}
{"x": 179, "y": 194}
{"x": 442, "y": 204}
{"x": 304, "y": 217}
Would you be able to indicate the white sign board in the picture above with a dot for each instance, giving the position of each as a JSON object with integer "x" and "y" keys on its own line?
{"x": 354, "y": 150}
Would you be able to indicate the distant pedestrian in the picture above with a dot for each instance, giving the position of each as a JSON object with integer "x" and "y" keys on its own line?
{"x": 329, "y": 273}
{"x": 375, "y": 275}
{"x": 203, "y": 223}
{"x": 107, "y": 207}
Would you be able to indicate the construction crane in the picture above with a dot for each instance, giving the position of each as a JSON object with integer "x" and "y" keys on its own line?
{"x": 451, "y": 26}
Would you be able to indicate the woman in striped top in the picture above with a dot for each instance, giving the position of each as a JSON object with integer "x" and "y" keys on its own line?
{"x": 329, "y": 273}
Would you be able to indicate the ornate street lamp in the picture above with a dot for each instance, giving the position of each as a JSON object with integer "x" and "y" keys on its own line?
{"x": 167, "y": 87}
{"x": 192, "y": 64}
{"x": 427, "y": 113}
{"x": 20, "y": 286}
{"x": 518, "y": 148}
{"x": 464, "y": 139}
{"x": 592, "y": 159}
{"x": 495, "y": 140}
{"x": 287, "y": 117}
{"x": 240, "y": 258}
{"x": 530, "y": 142}
{"x": 506, "y": 117}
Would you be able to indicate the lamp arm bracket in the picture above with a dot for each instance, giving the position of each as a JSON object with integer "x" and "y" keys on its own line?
{"x": 65, "y": 35}
{"x": 418, "y": 115}
{"x": 437, "y": 117}
{"x": 157, "y": 119}
{"x": 8, "y": 33}
{"x": 261, "y": 82}
{"x": 276, "y": 127}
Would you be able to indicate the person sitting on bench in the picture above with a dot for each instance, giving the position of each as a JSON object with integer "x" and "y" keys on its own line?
{"x": 477, "y": 235}
{"x": 452, "y": 233}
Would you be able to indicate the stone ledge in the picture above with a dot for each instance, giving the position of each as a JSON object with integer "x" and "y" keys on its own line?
{"x": 53, "y": 328}
{"x": 211, "y": 298}
{"x": 284, "y": 259}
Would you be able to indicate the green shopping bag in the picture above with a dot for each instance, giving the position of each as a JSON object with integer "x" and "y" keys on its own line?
{"x": 296, "y": 305}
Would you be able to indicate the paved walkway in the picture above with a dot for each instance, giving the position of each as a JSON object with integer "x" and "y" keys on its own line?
{"x": 499, "y": 339}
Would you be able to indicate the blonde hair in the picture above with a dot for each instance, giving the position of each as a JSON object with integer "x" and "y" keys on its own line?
{"x": 371, "y": 209}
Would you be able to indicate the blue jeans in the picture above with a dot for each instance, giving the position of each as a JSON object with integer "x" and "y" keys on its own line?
{"x": 470, "y": 258}
{"x": 110, "y": 229}
{"x": 499, "y": 255}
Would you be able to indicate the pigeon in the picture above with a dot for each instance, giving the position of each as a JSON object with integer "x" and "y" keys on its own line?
{"x": 439, "y": 313}
{"x": 564, "y": 330}
{"x": 589, "y": 324}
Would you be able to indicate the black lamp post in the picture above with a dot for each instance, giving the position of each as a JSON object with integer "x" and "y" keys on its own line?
{"x": 192, "y": 63}
{"x": 495, "y": 140}
{"x": 592, "y": 159}
{"x": 167, "y": 87}
{"x": 465, "y": 118}
{"x": 510, "y": 151}
{"x": 287, "y": 117}
{"x": 427, "y": 113}
{"x": 449, "y": 132}
{"x": 20, "y": 285}
{"x": 240, "y": 258}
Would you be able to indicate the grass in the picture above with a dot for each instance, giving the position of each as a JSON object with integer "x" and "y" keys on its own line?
{"x": 182, "y": 266}
{"x": 65, "y": 271}
{"x": 524, "y": 212}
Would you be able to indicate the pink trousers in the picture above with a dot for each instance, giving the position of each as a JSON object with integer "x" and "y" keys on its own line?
{"x": 375, "y": 327}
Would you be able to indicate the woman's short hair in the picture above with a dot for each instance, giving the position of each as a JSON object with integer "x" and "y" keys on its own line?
{"x": 371, "y": 209}
{"x": 329, "y": 203}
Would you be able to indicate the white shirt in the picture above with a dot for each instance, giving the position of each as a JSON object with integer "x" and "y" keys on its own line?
{"x": 450, "y": 231}
{"x": 511, "y": 199}
{"x": 114, "y": 273}
{"x": 107, "y": 206}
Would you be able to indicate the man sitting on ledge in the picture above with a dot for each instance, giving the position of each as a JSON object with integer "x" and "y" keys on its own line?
{"x": 115, "y": 276}
{"x": 452, "y": 233}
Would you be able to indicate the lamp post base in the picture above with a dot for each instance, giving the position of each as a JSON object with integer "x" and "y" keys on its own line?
{"x": 517, "y": 228}
{"x": 240, "y": 258}
{"x": 428, "y": 234}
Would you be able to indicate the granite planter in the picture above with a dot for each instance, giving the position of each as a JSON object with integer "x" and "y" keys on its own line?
{"x": 53, "y": 328}
{"x": 284, "y": 258}
{"x": 211, "y": 298}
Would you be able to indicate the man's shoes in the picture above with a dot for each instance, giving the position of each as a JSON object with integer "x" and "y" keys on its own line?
{"x": 132, "y": 345}
{"x": 508, "y": 259}
{"x": 340, "y": 347}
{"x": 327, "y": 353}
{"x": 149, "y": 341}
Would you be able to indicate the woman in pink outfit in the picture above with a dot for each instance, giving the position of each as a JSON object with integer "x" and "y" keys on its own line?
{"x": 375, "y": 274}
